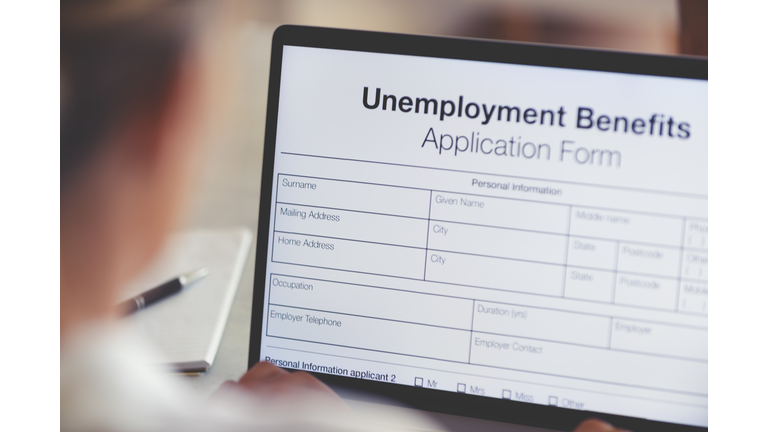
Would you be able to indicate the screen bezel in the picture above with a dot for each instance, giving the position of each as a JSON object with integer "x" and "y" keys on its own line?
{"x": 461, "y": 49}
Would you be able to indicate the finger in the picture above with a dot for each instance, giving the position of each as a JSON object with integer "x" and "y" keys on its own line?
{"x": 300, "y": 384}
{"x": 262, "y": 372}
{"x": 594, "y": 425}
{"x": 307, "y": 380}
{"x": 293, "y": 383}
{"x": 265, "y": 376}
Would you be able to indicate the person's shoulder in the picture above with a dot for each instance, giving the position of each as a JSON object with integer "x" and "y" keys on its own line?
{"x": 108, "y": 382}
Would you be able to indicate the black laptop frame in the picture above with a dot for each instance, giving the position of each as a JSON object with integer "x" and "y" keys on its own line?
{"x": 463, "y": 49}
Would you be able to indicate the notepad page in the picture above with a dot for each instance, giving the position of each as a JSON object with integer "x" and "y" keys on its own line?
{"x": 186, "y": 328}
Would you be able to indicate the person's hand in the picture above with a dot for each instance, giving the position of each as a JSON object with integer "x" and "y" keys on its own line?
{"x": 593, "y": 425}
{"x": 272, "y": 384}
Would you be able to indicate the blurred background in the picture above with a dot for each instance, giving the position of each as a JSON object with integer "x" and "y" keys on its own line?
{"x": 227, "y": 193}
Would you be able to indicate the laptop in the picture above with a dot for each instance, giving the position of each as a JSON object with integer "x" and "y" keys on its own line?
{"x": 509, "y": 232}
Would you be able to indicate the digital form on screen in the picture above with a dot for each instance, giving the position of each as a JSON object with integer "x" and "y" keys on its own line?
{"x": 520, "y": 232}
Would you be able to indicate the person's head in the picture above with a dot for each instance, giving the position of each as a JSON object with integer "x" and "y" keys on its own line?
{"x": 136, "y": 92}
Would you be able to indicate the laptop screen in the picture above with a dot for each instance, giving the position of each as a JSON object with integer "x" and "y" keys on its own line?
{"x": 529, "y": 234}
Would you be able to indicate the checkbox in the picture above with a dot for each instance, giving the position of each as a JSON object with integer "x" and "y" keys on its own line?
{"x": 418, "y": 382}
{"x": 506, "y": 394}
{"x": 553, "y": 400}
{"x": 461, "y": 388}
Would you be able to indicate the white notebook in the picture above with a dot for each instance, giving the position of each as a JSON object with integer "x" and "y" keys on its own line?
{"x": 186, "y": 328}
